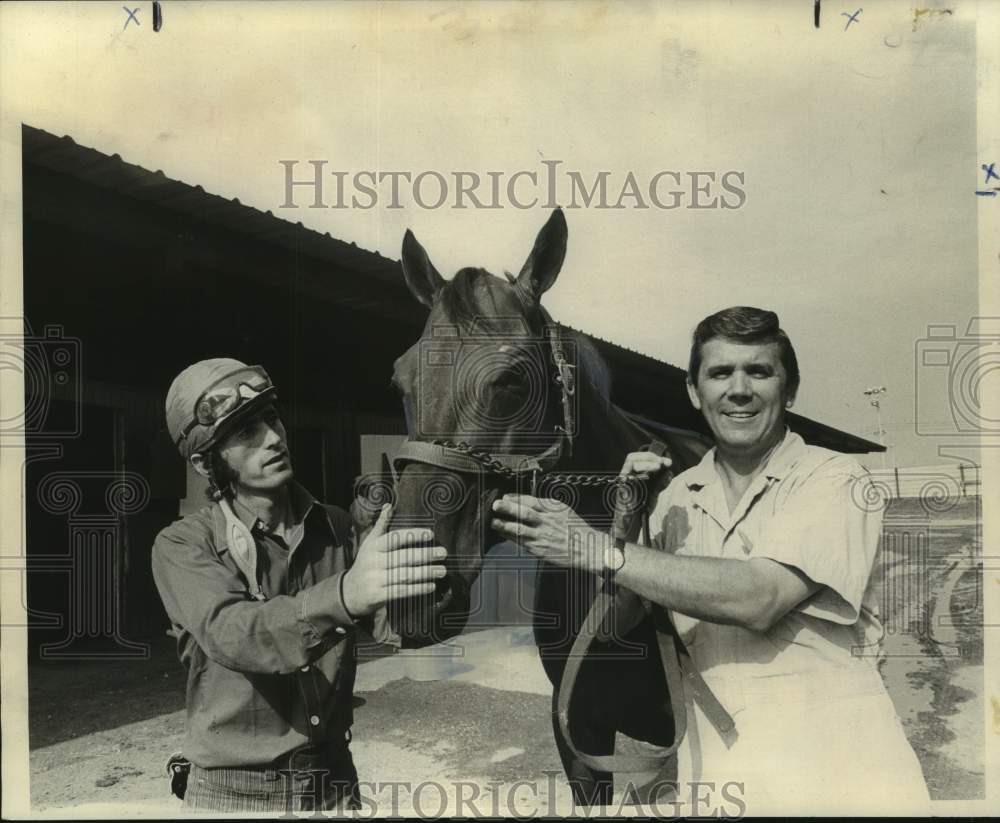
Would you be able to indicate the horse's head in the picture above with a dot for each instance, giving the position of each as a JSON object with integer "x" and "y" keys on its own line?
{"x": 482, "y": 374}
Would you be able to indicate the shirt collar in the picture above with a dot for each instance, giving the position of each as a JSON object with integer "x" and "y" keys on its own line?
{"x": 302, "y": 504}
{"x": 778, "y": 464}
{"x": 783, "y": 458}
{"x": 704, "y": 473}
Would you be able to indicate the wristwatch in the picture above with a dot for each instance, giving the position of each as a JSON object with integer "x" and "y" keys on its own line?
{"x": 614, "y": 556}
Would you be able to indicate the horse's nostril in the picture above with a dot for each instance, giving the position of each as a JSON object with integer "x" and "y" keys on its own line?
{"x": 442, "y": 591}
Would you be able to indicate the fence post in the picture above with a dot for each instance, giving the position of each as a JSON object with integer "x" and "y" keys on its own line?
{"x": 896, "y": 471}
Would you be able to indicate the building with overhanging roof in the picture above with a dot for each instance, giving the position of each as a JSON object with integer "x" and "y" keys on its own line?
{"x": 132, "y": 276}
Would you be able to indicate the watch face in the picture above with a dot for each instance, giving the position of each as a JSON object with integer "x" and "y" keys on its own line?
{"x": 614, "y": 559}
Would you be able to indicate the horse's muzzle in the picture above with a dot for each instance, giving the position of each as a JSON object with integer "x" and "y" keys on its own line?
{"x": 424, "y": 621}
{"x": 463, "y": 530}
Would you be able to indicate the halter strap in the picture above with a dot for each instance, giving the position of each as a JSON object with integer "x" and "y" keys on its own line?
{"x": 457, "y": 457}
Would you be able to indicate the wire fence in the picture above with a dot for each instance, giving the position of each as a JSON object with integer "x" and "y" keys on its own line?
{"x": 944, "y": 480}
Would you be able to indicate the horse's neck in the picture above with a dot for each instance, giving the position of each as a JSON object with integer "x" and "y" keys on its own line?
{"x": 604, "y": 434}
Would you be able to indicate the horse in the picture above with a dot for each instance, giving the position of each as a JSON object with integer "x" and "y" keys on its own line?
{"x": 499, "y": 398}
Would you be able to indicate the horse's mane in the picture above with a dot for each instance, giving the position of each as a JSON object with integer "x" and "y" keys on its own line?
{"x": 591, "y": 365}
{"x": 459, "y": 300}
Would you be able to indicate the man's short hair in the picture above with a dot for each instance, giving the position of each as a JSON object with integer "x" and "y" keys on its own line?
{"x": 221, "y": 476}
{"x": 744, "y": 324}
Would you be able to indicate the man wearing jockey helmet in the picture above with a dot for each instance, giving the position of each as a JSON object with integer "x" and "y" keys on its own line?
{"x": 264, "y": 589}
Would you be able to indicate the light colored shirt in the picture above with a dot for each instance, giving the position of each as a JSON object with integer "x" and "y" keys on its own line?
{"x": 816, "y": 731}
{"x": 809, "y": 509}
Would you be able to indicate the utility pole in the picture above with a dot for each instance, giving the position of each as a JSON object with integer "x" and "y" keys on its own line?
{"x": 872, "y": 393}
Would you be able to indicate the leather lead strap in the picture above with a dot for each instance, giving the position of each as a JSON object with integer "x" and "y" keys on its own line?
{"x": 678, "y": 670}
{"x": 671, "y": 668}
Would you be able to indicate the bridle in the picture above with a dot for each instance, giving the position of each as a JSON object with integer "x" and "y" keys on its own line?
{"x": 464, "y": 458}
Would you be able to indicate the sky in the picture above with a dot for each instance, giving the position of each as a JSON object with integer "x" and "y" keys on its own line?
{"x": 856, "y": 143}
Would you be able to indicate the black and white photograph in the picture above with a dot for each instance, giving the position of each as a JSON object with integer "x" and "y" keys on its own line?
{"x": 499, "y": 409}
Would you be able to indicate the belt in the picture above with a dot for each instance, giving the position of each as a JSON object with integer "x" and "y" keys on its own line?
{"x": 313, "y": 755}
{"x": 309, "y": 757}
{"x": 310, "y": 777}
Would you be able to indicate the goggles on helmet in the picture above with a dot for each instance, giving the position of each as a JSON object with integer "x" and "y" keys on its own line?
{"x": 218, "y": 402}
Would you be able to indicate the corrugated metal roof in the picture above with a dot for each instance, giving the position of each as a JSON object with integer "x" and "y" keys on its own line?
{"x": 65, "y": 155}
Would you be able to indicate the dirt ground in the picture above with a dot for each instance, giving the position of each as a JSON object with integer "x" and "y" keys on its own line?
{"x": 101, "y": 732}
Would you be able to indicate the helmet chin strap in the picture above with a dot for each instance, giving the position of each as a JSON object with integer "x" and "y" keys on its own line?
{"x": 243, "y": 548}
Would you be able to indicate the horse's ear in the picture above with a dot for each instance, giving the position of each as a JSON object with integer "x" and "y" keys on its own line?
{"x": 542, "y": 267}
{"x": 421, "y": 277}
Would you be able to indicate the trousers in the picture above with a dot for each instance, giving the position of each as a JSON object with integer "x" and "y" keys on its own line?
{"x": 308, "y": 779}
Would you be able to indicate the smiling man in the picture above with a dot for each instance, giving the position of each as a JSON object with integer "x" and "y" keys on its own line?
{"x": 264, "y": 589}
{"x": 764, "y": 551}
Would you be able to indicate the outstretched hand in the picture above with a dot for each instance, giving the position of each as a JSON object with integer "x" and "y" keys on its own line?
{"x": 550, "y": 530}
{"x": 392, "y": 565}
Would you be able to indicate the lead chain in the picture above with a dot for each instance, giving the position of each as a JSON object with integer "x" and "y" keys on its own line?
{"x": 490, "y": 462}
